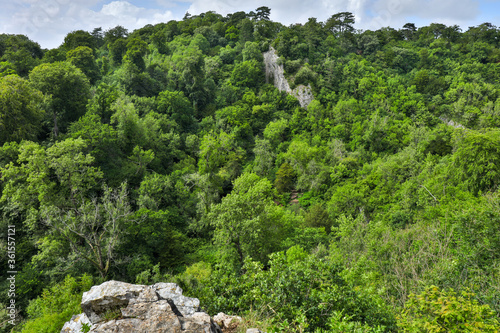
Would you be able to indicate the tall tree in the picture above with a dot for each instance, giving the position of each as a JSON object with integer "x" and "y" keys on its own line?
{"x": 69, "y": 91}
{"x": 248, "y": 223}
{"x": 83, "y": 58}
{"x": 20, "y": 111}
{"x": 340, "y": 23}
{"x": 95, "y": 228}
{"x": 262, "y": 13}
{"x": 78, "y": 38}
{"x": 111, "y": 35}
{"x": 409, "y": 30}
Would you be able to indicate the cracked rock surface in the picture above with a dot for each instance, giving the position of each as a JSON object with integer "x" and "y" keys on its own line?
{"x": 123, "y": 307}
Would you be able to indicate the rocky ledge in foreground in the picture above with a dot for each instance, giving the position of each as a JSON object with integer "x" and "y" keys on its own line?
{"x": 123, "y": 307}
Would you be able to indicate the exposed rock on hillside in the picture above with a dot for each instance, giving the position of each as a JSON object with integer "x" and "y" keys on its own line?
{"x": 226, "y": 322}
{"x": 275, "y": 71}
{"x": 122, "y": 307}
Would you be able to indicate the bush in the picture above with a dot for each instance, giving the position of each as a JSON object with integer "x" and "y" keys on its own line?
{"x": 436, "y": 310}
{"x": 305, "y": 75}
{"x": 296, "y": 292}
{"x": 56, "y": 305}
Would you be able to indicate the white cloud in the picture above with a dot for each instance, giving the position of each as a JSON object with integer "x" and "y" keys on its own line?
{"x": 48, "y": 21}
{"x": 120, "y": 9}
{"x": 370, "y": 14}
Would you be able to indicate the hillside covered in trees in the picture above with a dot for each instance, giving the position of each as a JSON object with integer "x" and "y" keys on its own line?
{"x": 163, "y": 155}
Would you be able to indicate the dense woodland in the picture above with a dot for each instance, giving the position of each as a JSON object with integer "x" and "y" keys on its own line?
{"x": 162, "y": 155}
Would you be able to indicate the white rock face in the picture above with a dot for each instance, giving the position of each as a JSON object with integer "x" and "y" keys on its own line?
{"x": 186, "y": 305}
{"x": 277, "y": 74}
{"x": 76, "y": 323}
{"x": 160, "y": 308}
{"x": 109, "y": 295}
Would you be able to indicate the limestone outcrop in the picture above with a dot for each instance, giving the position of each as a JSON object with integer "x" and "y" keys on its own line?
{"x": 123, "y": 307}
{"x": 276, "y": 72}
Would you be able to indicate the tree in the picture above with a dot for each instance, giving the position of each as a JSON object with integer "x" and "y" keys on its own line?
{"x": 285, "y": 177}
{"x": 69, "y": 91}
{"x": 476, "y": 162}
{"x": 409, "y": 30}
{"x": 117, "y": 49}
{"x": 83, "y": 58}
{"x": 102, "y": 100}
{"x": 7, "y": 68}
{"x": 220, "y": 155}
{"x": 252, "y": 52}
{"x": 98, "y": 37}
{"x": 248, "y": 223}
{"x": 113, "y": 34}
{"x": 101, "y": 140}
{"x": 19, "y": 50}
{"x": 20, "y": 111}
{"x": 340, "y": 23}
{"x": 177, "y": 107}
{"x": 59, "y": 175}
{"x": 22, "y": 60}
{"x": 54, "y": 55}
{"x": 317, "y": 217}
{"x": 262, "y": 13}
{"x": 232, "y": 34}
{"x": 136, "y": 50}
{"x": 51, "y": 310}
{"x": 246, "y": 31}
{"x": 78, "y": 38}
{"x": 95, "y": 228}
{"x": 247, "y": 74}
{"x": 264, "y": 157}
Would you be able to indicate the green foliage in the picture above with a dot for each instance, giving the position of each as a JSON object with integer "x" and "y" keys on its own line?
{"x": 111, "y": 314}
{"x": 285, "y": 177}
{"x": 220, "y": 154}
{"x": 78, "y": 38}
{"x": 307, "y": 219}
{"x": 56, "y": 305}
{"x": 232, "y": 34}
{"x": 476, "y": 161}
{"x": 178, "y": 108}
{"x": 20, "y": 113}
{"x": 305, "y": 75}
{"x": 117, "y": 50}
{"x": 299, "y": 291}
{"x": 157, "y": 238}
{"x": 247, "y": 74}
{"x": 85, "y": 328}
{"x": 136, "y": 49}
{"x": 318, "y": 217}
{"x": 436, "y": 310}
{"x": 83, "y": 58}
{"x": 247, "y": 222}
{"x": 340, "y": 23}
{"x": 7, "y": 68}
{"x": 49, "y": 176}
{"x": 68, "y": 90}
{"x": 95, "y": 228}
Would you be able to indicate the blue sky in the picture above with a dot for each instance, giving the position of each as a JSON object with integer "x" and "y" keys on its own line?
{"x": 48, "y": 21}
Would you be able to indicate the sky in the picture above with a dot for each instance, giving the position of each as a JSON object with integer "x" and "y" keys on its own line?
{"x": 49, "y": 21}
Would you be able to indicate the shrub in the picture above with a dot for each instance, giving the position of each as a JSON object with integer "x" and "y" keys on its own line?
{"x": 436, "y": 311}
{"x": 56, "y": 305}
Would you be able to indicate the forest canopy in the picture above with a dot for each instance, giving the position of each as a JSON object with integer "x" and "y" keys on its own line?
{"x": 165, "y": 154}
